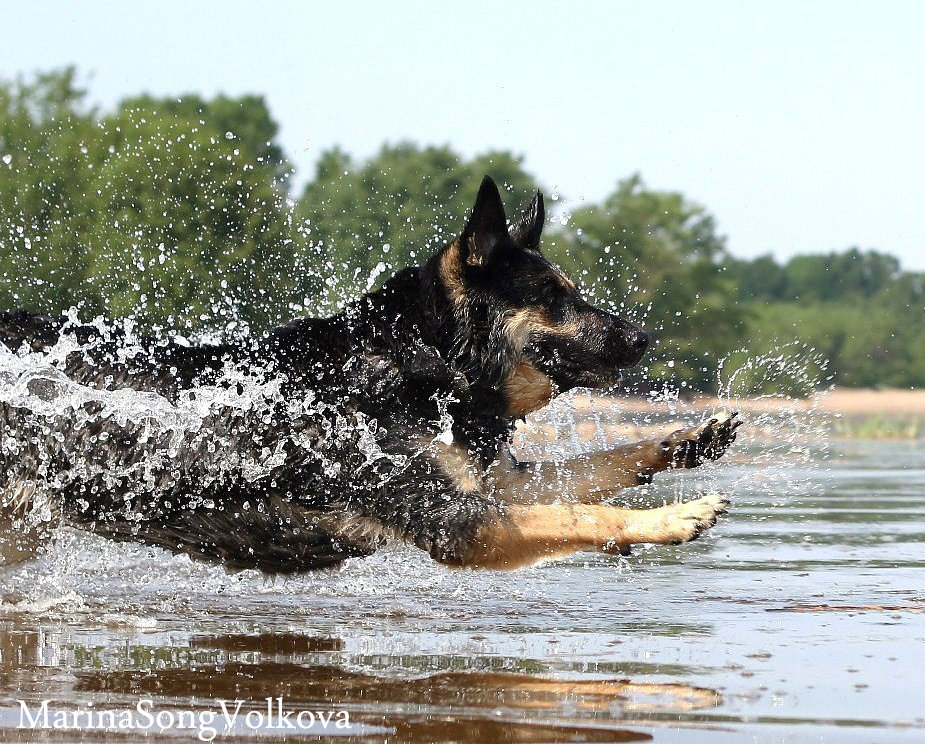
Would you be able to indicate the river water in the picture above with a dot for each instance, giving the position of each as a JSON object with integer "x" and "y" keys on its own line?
{"x": 799, "y": 618}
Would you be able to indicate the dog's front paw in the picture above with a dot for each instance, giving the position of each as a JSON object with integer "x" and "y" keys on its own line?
{"x": 688, "y": 520}
{"x": 672, "y": 524}
{"x": 688, "y": 448}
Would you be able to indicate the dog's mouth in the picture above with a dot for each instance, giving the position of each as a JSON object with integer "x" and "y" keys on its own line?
{"x": 566, "y": 375}
{"x": 606, "y": 381}
{"x": 571, "y": 365}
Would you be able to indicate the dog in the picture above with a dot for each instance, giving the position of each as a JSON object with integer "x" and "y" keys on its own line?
{"x": 329, "y": 437}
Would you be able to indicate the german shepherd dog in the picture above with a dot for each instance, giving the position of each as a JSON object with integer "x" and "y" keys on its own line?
{"x": 388, "y": 421}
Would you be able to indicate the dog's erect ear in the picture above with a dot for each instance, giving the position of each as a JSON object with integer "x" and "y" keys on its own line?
{"x": 527, "y": 232}
{"x": 487, "y": 226}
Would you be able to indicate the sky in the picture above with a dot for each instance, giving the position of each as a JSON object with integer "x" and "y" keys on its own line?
{"x": 799, "y": 125}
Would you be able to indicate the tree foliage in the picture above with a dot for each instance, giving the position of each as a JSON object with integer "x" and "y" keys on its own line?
{"x": 856, "y": 308}
{"x": 816, "y": 277}
{"x": 160, "y": 210}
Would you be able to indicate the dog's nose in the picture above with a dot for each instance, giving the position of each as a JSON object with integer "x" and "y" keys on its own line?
{"x": 639, "y": 340}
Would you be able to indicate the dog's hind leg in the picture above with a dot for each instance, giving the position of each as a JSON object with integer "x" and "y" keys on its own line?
{"x": 521, "y": 535}
{"x": 593, "y": 477}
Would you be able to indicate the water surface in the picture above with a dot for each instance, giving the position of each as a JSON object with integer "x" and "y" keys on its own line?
{"x": 799, "y": 618}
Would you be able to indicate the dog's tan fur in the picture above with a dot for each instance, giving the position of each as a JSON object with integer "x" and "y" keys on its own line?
{"x": 526, "y": 534}
{"x": 457, "y": 464}
{"x": 527, "y": 390}
{"x": 449, "y": 275}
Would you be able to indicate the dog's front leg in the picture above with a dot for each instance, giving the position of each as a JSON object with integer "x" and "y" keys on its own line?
{"x": 521, "y": 535}
{"x": 583, "y": 479}
{"x": 593, "y": 477}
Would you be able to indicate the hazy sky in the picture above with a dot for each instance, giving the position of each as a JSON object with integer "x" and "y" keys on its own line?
{"x": 801, "y": 126}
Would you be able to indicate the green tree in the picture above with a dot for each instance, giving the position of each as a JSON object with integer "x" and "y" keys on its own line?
{"x": 45, "y": 133}
{"x": 171, "y": 212}
{"x": 869, "y": 342}
{"x": 821, "y": 277}
{"x": 759, "y": 278}
{"x": 175, "y": 212}
{"x": 246, "y": 120}
{"x": 191, "y": 230}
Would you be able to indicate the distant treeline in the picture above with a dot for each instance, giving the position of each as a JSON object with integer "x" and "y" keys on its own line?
{"x": 857, "y": 308}
{"x": 179, "y": 213}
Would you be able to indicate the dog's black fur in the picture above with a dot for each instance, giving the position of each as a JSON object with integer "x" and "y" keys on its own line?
{"x": 354, "y": 447}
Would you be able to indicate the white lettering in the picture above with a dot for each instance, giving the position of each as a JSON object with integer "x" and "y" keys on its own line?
{"x": 165, "y": 720}
{"x": 207, "y": 732}
{"x": 311, "y": 717}
{"x": 42, "y": 715}
{"x": 325, "y": 721}
{"x": 144, "y": 710}
{"x": 186, "y": 719}
{"x": 229, "y": 719}
{"x": 60, "y": 721}
{"x": 283, "y": 716}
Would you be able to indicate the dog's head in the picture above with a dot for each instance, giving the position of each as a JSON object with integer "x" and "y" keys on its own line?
{"x": 519, "y": 322}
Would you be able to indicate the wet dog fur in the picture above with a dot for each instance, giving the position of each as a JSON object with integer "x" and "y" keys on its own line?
{"x": 413, "y": 391}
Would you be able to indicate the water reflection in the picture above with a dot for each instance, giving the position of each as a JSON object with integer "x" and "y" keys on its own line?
{"x": 448, "y": 705}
